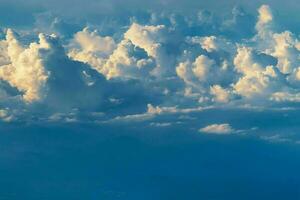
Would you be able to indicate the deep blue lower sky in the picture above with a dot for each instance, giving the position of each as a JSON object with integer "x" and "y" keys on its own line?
{"x": 100, "y": 162}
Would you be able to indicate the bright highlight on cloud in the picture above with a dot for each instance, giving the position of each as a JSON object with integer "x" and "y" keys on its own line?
{"x": 166, "y": 60}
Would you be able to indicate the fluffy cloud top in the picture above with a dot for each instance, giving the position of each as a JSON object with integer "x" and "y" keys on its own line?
{"x": 25, "y": 70}
{"x": 264, "y": 20}
{"x": 112, "y": 60}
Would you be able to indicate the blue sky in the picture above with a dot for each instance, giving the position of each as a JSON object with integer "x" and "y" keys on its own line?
{"x": 149, "y": 100}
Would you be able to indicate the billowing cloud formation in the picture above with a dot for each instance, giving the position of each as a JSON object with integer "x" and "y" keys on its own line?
{"x": 45, "y": 77}
{"x": 25, "y": 69}
{"x": 122, "y": 60}
{"x": 159, "y": 59}
{"x": 41, "y": 71}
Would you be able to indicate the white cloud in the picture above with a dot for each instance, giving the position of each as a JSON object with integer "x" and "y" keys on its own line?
{"x": 185, "y": 72}
{"x": 172, "y": 60}
{"x": 264, "y": 21}
{"x": 212, "y": 43}
{"x": 286, "y": 51}
{"x": 94, "y": 43}
{"x": 123, "y": 63}
{"x": 203, "y": 71}
{"x": 153, "y": 111}
{"x": 202, "y": 66}
{"x": 151, "y": 39}
{"x": 43, "y": 74}
{"x": 220, "y": 94}
{"x": 259, "y": 84}
{"x": 147, "y": 37}
{"x": 111, "y": 59}
{"x": 245, "y": 63}
{"x": 219, "y": 129}
{"x": 26, "y": 69}
{"x": 259, "y": 76}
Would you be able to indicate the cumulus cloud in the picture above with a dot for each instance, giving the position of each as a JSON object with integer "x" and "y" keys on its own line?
{"x": 264, "y": 21}
{"x": 121, "y": 60}
{"x": 146, "y": 37}
{"x": 220, "y": 94}
{"x": 164, "y": 59}
{"x": 260, "y": 76}
{"x": 151, "y": 39}
{"x": 219, "y": 129}
{"x": 139, "y": 52}
{"x": 202, "y": 71}
{"x": 212, "y": 43}
{"x": 43, "y": 72}
{"x": 92, "y": 42}
{"x": 25, "y": 70}
{"x": 286, "y": 50}
{"x": 45, "y": 76}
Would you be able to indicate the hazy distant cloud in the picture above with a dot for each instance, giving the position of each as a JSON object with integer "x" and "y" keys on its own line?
{"x": 155, "y": 111}
{"x": 278, "y": 138}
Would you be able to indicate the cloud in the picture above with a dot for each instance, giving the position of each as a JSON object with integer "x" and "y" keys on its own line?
{"x": 285, "y": 97}
{"x": 277, "y": 138}
{"x": 202, "y": 72}
{"x": 112, "y": 60}
{"x": 5, "y": 115}
{"x": 264, "y": 21}
{"x": 93, "y": 42}
{"x": 154, "y": 111}
{"x": 158, "y": 58}
{"x": 146, "y": 37}
{"x": 212, "y": 43}
{"x": 42, "y": 73}
{"x": 151, "y": 39}
{"x": 219, "y": 129}
{"x": 260, "y": 76}
{"x": 286, "y": 50}
{"x": 159, "y": 125}
{"x": 44, "y": 76}
{"x": 25, "y": 70}
{"x": 220, "y": 94}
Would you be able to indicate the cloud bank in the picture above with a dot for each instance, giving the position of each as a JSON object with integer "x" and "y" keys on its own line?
{"x": 175, "y": 62}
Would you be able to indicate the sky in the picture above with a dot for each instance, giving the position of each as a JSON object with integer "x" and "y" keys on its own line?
{"x": 168, "y": 99}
